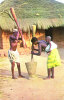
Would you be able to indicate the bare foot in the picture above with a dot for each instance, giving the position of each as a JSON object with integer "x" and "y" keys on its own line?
{"x": 52, "y": 77}
{"x": 47, "y": 78}
{"x": 14, "y": 78}
{"x": 21, "y": 76}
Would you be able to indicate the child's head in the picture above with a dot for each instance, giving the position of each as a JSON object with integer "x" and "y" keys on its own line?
{"x": 34, "y": 40}
{"x": 48, "y": 39}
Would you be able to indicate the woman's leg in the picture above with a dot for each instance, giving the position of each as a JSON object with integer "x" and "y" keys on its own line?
{"x": 12, "y": 69}
{"x": 49, "y": 73}
{"x": 52, "y": 70}
{"x": 19, "y": 70}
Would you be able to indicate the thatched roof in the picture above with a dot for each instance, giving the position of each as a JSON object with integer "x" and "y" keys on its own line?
{"x": 43, "y": 13}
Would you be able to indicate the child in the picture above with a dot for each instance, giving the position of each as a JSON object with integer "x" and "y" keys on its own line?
{"x": 53, "y": 57}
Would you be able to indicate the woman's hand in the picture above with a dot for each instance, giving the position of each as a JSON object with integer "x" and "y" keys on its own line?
{"x": 48, "y": 53}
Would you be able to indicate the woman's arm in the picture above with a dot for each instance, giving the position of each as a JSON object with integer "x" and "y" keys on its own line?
{"x": 34, "y": 48}
{"x": 50, "y": 46}
{"x": 12, "y": 38}
{"x": 50, "y": 49}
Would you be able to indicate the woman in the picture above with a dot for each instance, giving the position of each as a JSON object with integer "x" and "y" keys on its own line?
{"x": 53, "y": 57}
{"x": 40, "y": 44}
{"x": 13, "y": 54}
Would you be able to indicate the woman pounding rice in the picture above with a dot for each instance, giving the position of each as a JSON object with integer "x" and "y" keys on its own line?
{"x": 41, "y": 44}
{"x": 53, "y": 57}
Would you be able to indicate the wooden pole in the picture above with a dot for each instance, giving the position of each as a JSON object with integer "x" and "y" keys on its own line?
{"x": 29, "y": 36}
{"x": 33, "y": 35}
{"x": 15, "y": 18}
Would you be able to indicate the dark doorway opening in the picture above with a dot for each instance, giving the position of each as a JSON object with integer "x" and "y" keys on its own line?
{"x": 48, "y": 32}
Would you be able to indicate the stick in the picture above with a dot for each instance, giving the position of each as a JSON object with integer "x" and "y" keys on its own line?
{"x": 15, "y": 18}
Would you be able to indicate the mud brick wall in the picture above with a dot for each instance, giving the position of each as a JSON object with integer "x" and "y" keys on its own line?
{"x": 5, "y": 45}
{"x": 5, "y": 40}
{"x": 40, "y": 34}
{"x": 58, "y": 36}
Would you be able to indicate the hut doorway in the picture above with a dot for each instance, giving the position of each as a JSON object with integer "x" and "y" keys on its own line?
{"x": 48, "y": 32}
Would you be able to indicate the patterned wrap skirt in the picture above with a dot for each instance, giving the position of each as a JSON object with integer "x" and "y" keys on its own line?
{"x": 13, "y": 56}
{"x": 53, "y": 59}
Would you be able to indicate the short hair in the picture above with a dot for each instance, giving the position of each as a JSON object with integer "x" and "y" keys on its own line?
{"x": 49, "y": 37}
{"x": 34, "y": 39}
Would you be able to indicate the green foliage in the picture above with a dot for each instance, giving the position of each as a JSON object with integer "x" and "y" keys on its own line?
{"x": 29, "y": 12}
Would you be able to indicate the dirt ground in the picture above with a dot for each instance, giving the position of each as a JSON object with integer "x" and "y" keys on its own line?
{"x": 34, "y": 88}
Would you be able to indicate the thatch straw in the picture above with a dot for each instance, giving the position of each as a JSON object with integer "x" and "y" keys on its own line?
{"x": 6, "y": 23}
{"x": 42, "y": 13}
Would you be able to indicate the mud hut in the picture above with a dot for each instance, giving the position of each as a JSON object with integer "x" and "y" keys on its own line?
{"x": 47, "y": 15}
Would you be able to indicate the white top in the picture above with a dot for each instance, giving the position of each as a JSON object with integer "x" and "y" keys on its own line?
{"x": 53, "y": 45}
